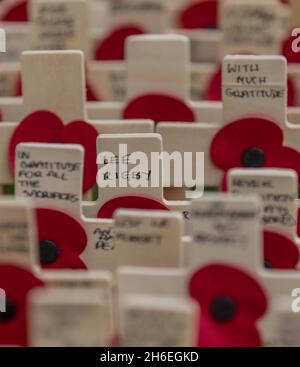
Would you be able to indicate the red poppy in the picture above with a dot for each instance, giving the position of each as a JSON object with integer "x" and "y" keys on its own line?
{"x": 280, "y": 252}
{"x": 112, "y": 47}
{"x": 46, "y": 127}
{"x": 108, "y": 209}
{"x": 231, "y": 303}
{"x": 159, "y": 107}
{"x": 17, "y": 283}
{"x": 17, "y": 12}
{"x": 62, "y": 239}
{"x": 214, "y": 89}
{"x": 202, "y": 14}
{"x": 287, "y": 50}
{"x": 252, "y": 142}
{"x": 18, "y": 88}
{"x": 90, "y": 93}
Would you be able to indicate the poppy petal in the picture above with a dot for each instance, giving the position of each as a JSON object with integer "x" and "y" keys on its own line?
{"x": 159, "y": 107}
{"x": 73, "y": 259}
{"x": 280, "y": 252}
{"x": 202, "y": 14}
{"x": 18, "y": 88}
{"x": 214, "y": 89}
{"x": 284, "y": 157}
{"x": 80, "y": 132}
{"x": 231, "y": 335}
{"x": 112, "y": 47}
{"x": 38, "y": 127}
{"x": 66, "y": 233}
{"x": 108, "y": 209}
{"x": 17, "y": 283}
{"x": 219, "y": 281}
{"x": 287, "y": 51}
{"x": 231, "y": 141}
{"x": 16, "y": 13}
{"x": 90, "y": 93}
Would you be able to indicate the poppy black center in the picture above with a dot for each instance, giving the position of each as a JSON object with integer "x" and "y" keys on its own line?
{"x": 253, "y": 157}
{"x": 49, "y": 252}
{"x": 268, "y": 264}
{"x": 223, "y": 309}
{"x": 10, "y": 311}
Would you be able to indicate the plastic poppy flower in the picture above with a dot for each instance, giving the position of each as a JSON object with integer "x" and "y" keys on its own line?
{"x": 17, "y": 12}
{"x": 108, "y": 209}
{"x": 280, "y": 252}
{"x": 61, "y": 240}
{"x": 159, "y": 107}
{"x": 112, "y": 47}
{"x": 46, "y": 127}
{"x": 91, "y": 95}
{"x": 288, "y": 52}
{"x": 17, "y": 283}
{"x": 200, "y": 14}
{"x": 231, "y": 303}
{"x": 214, "y": 89}
{"x": 252, "y": 142}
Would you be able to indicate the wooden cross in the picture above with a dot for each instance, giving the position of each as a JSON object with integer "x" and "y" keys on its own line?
{"x": 278, "y": 190}
{"x": 251, "y": 84}
{"x": 17, "y": 274}
{"x": 149, "y": 321}
{"x": 65, "y": 317}
{"x": 44, "y": 74}
{"x": 146, "y": 239}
